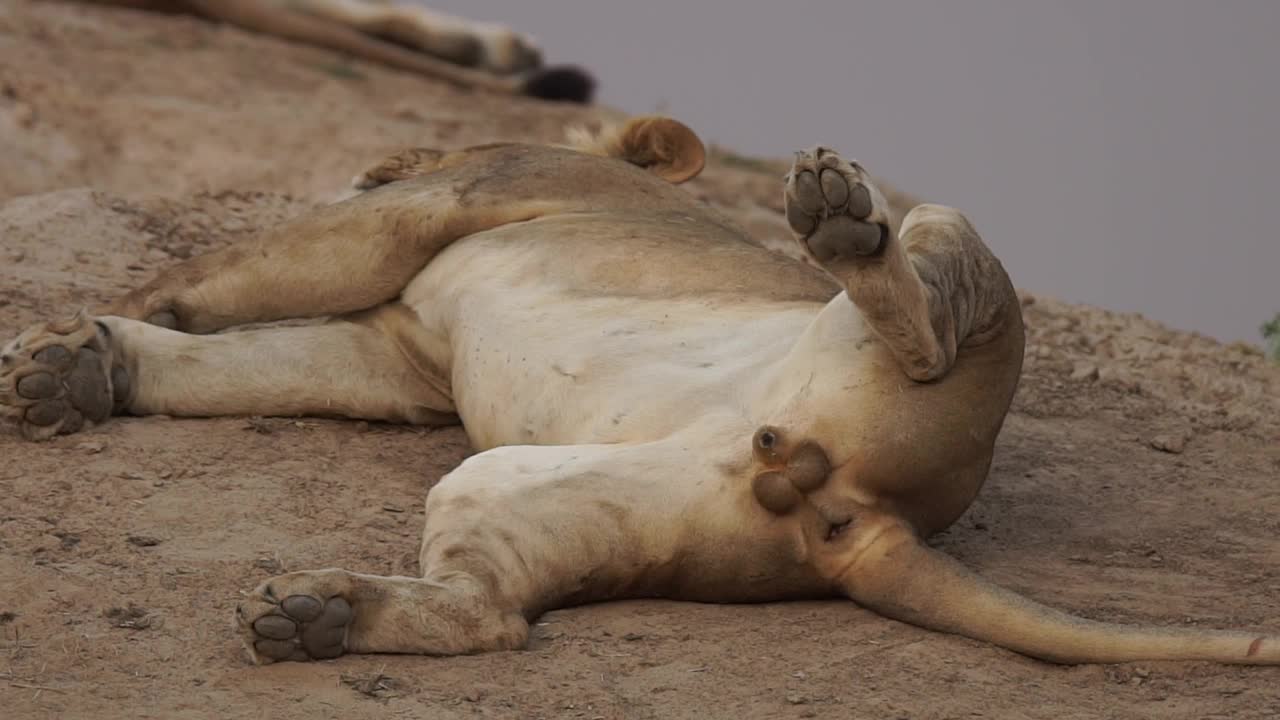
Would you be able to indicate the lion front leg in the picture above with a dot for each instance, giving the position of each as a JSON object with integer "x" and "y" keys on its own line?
{"x": 60, "y": 377}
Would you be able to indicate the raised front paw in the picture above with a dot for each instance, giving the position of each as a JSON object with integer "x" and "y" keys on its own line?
{"x": 61, "y": 376}
{"x": 834, "y": 208}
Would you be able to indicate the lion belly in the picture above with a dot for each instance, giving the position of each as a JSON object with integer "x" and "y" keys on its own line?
{"x": 601, "y": 328}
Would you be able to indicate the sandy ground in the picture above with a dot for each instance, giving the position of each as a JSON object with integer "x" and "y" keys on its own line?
{"x": 1137, "y": 478}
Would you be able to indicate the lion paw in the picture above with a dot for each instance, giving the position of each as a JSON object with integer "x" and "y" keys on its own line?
{"x": 59, "y": 377}
{"x": 295, "y": 617}
{"x": 834, "y": 208}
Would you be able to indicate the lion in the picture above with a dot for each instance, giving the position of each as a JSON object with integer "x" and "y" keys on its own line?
{"x": 464, "y": 53}
{"x": 660, "y": 406}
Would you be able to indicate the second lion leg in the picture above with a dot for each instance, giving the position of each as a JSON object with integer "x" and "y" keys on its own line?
{"x": 337, "y": 259}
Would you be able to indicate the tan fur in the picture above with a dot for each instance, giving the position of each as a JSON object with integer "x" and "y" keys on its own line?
{"x": 662, "y": 407}
{"x": 464, "y": 53}
{"x": 660, "y": 145}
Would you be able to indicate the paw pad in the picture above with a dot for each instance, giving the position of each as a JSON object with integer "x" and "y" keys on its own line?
{"x": 56, "y": 377}
{"x": 831, "y": 204}
{"x": 299, "y": 628}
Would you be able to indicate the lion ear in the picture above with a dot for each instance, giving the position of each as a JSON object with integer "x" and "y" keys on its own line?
{"x": 663, "y": 146}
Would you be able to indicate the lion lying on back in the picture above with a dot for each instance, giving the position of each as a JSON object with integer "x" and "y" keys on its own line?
{"x": 661, "y": 407}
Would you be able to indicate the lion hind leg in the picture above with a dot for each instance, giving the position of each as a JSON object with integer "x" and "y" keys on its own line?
{"x": 927, "y": 290}
{"x": 510, "y": 533}
{"x": 327, "y": 26}
{"x": 284, "y": 22}
{"x": 488, "y": 46}
{"x": 320, "y": 614}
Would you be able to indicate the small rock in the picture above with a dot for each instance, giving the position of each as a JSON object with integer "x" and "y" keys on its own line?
{"x": 375, "y": 685}
{"x": 632, "y": 637}
{"x": 131, "y": 617}
{"x": 155, "y": 256}
{"x": 1174, "y": 444}
{"x": 68, "y": 540}
{"x": 91, "y": 447}
{"x": 271, "y": 565}
{"x": 796, "y": 699}
{"x": 144, "y": 540}
{"x": 1084, "y": 371}
{"x": 1230, "y": 691}
{"x": 1119, "y": 380}
{"x": 472, "y": 696}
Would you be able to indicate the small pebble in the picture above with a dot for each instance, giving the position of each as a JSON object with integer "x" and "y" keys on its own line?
{"x": 1084, "y": 371}
{"x": 1173, "y": 444}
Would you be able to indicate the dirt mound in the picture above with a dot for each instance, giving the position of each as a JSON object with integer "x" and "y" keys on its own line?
{"x": 1136, "y": 480}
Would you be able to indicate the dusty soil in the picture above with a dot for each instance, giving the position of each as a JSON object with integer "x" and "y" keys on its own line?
{"x": 1137, "y": 478}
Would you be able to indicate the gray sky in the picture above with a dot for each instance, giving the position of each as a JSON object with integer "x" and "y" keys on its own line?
{"x": 1117, "y": 153}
